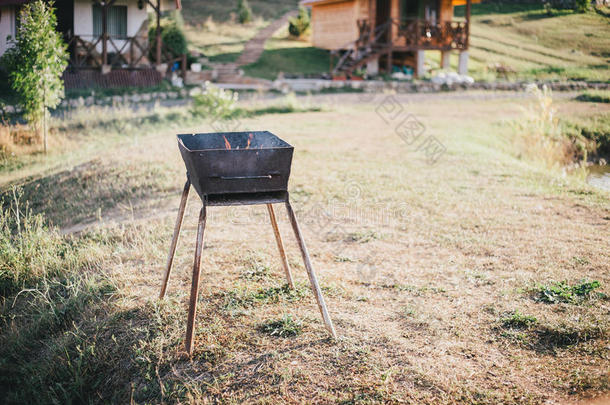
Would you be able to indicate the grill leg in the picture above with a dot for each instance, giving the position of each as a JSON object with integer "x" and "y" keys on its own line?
{"x": 172, "y": 248}
{"x": 280, "y": 245}
{"x": 190, "y": 326}
{"x": 312, "y": 277}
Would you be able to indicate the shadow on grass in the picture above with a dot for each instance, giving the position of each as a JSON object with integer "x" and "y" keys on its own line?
{"x": 67, "y": 342}
{"x": 88, "y": 190}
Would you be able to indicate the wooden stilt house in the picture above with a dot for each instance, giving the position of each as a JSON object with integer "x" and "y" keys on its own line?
{"x": 380, "y": 34}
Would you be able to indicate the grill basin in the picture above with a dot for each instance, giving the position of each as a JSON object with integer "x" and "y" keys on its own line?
{"x": 256, "y": 162}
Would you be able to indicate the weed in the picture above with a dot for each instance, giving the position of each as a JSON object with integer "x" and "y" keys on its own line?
{"x": 255, "y": 269}
{"x": 342, "y": 259}
{"x": 408, "y": 312}
{"x": 561, "y": 291}
{"x": 239, "y": 298}
{"x": 286, "y": 326}
{"x": 517, "y": 320}
{"x": 543, "y": 137}
{"x": 362, "y": 236}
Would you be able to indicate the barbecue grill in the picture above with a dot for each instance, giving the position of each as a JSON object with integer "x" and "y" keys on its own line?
{"x": 238, "y": 168}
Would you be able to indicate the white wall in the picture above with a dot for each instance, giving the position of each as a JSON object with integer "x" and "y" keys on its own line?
{"x": 83, "y": 20}
{"x": 7, "y": 26}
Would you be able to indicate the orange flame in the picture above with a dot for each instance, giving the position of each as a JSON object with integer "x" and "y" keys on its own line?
{"x": 227, "y": 144}
{"x": 249, "y": 139}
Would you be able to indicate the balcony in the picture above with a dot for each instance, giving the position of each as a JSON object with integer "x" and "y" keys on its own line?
{"x": 415, "y": 34}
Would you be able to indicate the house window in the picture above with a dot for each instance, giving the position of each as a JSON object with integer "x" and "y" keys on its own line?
{"x": 116, "y": 21}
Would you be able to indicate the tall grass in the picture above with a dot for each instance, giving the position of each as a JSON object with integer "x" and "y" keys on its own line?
{"x": 17, "y": 139}
{"x": 543, "y": 137}
{"x": 29, "y": 251}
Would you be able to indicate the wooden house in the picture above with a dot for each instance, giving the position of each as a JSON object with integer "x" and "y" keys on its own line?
{"x": 380, "y": 34}
{"x": 102, "y": 35}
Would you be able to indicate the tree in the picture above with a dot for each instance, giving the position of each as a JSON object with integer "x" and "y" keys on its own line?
{"x": 244, "y": 12}
{"x": 36, "y": 62}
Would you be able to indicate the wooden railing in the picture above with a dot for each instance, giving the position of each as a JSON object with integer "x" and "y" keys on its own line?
{"x": 127, "y": 52}
{"x": 88, "y": 52}
{"x": 397, "y": 35}
{"x": 422, "y": 34}
{"x": 417, "y": 34}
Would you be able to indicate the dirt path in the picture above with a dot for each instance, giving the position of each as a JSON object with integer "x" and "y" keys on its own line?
{"x": 255, "y": 47}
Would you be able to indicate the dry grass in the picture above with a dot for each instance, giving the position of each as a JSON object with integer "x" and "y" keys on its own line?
{"x": 17, "y": 140}
{"x": 420, "y": 266}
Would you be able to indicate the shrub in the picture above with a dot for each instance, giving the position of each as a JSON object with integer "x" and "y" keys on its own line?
{"x": 298, "y": 25}
{"x": 581, "y": 6}
{"x": 172, "y": 36}
{"x": 244, "y": 12}
{"x": 215, "y": 102}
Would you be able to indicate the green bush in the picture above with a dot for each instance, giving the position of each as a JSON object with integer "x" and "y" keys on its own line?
{"x": 581, "y": 6}
{"x": 215, "y": 103}
{"x": 244, "y": 12}
{"x": 298, "y": 25}
{"x": 172, "y": 37}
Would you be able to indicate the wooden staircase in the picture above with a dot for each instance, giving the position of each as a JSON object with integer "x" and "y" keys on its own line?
{"x": 370, "y": 45}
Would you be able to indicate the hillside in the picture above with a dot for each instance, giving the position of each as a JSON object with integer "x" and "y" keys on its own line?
{"x": 524, "y": 38}
{"x": 197, "y": 11}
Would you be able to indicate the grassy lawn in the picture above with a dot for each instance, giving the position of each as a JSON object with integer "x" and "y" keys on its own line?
{"x": 285, "y": 54}
{"x": 442, "y": 279}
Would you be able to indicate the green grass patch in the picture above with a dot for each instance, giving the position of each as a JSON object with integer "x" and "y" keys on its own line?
{"x": 517, "y": 320}
{"x": 240, "y": 298}
{"x": 286, "y": 326}
{"x": 561, "y": 291}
